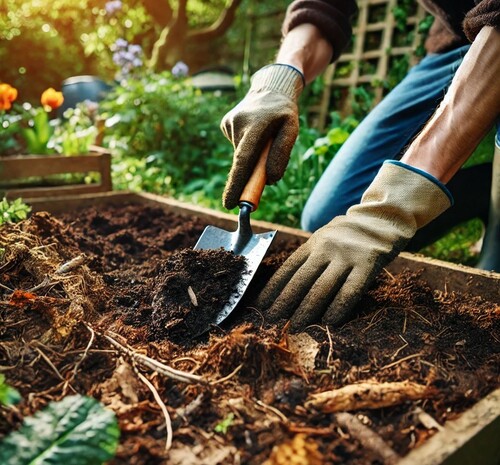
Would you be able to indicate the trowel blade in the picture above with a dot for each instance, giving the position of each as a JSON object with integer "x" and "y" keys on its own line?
{"x": 254, "y": 251}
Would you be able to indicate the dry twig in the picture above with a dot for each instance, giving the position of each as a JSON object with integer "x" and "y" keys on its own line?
{"x": 272, "y": 409}
{"x": 229, "y": 376}
{"x": 153, "y": 364}
{"x": 369, "y": 395}
{"x": 84, "y": 355}
{"x": 163, "y": 407}
{"x": 367, "y": 437}
{"x": 397, "y": 362}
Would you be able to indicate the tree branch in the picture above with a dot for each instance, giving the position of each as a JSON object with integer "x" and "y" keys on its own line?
{"x": 160, "y": 10}
{"x": 219, "y": 26}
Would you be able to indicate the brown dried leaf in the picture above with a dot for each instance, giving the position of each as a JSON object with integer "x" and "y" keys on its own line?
{"x": 305, "y": 349}
{"x": 298, "y": 451}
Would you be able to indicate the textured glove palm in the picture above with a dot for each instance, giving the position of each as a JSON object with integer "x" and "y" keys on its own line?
{"x": 326, "y": 276}
{"x": 268, "y": 111}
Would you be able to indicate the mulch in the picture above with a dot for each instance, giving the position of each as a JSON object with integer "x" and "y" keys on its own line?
{"x": 91, "y": 300}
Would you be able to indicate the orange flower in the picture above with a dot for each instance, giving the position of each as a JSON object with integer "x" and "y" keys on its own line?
{"x": 52, "y": 99}
{"x": 7, "y": 95}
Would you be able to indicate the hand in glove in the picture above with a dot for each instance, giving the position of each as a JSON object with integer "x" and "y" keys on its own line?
{"x": 326, "y": 276}
{"x": 268, "y": 111}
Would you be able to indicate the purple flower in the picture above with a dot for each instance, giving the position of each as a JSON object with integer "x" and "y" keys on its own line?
{"x": 126, "y": 56}
{"x": 119, "y": 44}
{"x": 113, "y": 6}
{"x": 180, "y": 69}
{"x": 135, "y": 49}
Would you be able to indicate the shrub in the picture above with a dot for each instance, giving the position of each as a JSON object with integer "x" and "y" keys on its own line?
{"x": 165, "y": 135}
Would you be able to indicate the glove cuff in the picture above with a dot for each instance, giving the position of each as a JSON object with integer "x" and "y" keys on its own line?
{"x": 282, "y": 78}
{"x": 425, "y": 174}
{"x": 404, "y": 195}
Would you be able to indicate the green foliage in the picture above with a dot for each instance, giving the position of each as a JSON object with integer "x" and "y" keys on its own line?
{"x": 224, "y": 425}
{"x": 165, "y": 135}
{"x": 77, "y": 430}
{"x": 10, "y": 124}
{"x": 74, "y": 134}
{"x": 423, "y": 29}
{"x": 29, "y": 130}
{"x": 401, "y": 11}
{"x": 38, "y": 131}
{"x": 484, "y": 151}
{"x": 459, "y": 245}
{"x": 13, "y": 211}
{"x": 283, "y": 203}
{"x": 41, "y": 44}
{"x": 8, "y": 395}
{"x": 362, "y": 100}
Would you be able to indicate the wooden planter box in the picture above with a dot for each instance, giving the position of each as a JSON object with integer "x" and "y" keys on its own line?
{"x": 15, "y": 168}
{"x": 473, "y": 438}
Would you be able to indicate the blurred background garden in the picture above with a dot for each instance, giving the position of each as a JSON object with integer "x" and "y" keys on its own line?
{"x": 149, "y": 81}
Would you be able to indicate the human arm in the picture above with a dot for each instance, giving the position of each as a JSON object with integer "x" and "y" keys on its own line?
{"x": 465, "y": 115}
{"x": 314, "y": 33}
{"x": 324, "y": 279}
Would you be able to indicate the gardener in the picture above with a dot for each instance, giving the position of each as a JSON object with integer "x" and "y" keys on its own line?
{"x": 388, "y": 180}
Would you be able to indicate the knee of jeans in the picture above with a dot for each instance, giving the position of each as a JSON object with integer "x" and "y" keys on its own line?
{"x": 312, "y": 219}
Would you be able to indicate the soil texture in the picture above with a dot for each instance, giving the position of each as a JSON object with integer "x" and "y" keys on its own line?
{"x": 97, "y": 301}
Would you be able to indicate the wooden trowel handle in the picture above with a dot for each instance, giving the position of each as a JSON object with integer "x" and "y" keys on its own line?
{"x": 255, "y": 185}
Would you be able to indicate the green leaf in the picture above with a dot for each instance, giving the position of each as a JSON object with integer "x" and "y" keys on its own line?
{"x": 12, "y": 212}
{"x": 224, "y": 425}
{"x": 8, "y": 395}
{"x": 337, "y": 136}
{"x": 78, "y": 430}
{"x": 31, "y": 140}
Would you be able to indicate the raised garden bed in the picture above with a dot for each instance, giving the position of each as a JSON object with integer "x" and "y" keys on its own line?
{"x": 31, "y": 176}
{"x": 414, "y": 379}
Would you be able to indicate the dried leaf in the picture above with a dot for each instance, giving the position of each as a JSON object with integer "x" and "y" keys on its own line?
{"x": 305, "y": 349}
{"x": 298, "y": 451}
{"x": 209, "y": 453}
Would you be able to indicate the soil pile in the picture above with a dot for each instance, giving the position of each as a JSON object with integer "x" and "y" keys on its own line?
{"x": 86, "y": 307}
{"x": 191, "y": 287}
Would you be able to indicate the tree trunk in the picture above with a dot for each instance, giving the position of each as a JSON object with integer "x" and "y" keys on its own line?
{"x": 176, "y": 36}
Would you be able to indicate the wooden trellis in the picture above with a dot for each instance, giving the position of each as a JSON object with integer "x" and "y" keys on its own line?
{"x": 376, "y": 42}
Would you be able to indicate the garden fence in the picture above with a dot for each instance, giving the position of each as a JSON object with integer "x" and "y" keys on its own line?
{"x": 384, "y": 32}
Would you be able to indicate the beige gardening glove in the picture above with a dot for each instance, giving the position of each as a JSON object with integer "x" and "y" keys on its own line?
{"x": 268, "y": 111}
{"x": 326, "y": 276}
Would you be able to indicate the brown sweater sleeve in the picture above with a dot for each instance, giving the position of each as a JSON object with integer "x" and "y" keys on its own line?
{"x": 331, "y": 17}
{"x": 485, "y": 13}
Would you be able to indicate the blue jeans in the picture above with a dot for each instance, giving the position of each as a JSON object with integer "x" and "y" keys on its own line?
{"x": 383, "y": 135}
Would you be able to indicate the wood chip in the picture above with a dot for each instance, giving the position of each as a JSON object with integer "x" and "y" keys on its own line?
{"x": 367, "y": 437}
{"x": 192, "y": 296}
{"x": 367, "y": 395}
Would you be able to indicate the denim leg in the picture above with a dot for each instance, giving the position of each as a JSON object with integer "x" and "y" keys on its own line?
{"x": 382, "y": 135}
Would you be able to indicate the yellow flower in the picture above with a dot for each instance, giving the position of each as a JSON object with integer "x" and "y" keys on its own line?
{"x": 52, "y": 99}
{"x": 7, "y": 95}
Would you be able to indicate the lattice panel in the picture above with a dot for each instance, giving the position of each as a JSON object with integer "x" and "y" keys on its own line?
{"x": 376, "y": 42}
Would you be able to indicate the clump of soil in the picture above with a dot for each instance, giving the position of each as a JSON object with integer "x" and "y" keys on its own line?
{"x": 244, "y": 386}
{"x": 191, "y": 288}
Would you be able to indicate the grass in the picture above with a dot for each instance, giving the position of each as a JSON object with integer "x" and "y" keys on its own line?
{"x": 460, "y": 244}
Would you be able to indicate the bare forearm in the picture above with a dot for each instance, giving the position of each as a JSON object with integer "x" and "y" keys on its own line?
{"x": 305, "y": 48}
{"x": 466, "y": 113}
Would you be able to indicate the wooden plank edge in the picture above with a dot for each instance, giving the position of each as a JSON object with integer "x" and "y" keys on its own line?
{"x": 55, "y": 191}
{"x": 45, "y": 165}
{"x": 72, "y": 202}
{"x": 471, "y": 439}
{"x": 441, "y": 275}
{"x": 450, "y": 277}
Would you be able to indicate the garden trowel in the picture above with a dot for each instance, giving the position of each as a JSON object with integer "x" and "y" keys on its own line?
{"x": 242, "y": 241}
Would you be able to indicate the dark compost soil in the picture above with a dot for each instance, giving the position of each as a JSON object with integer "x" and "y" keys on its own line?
{"x": 130, "y": 276}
